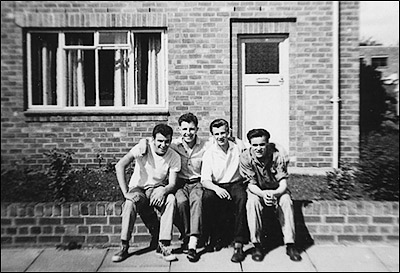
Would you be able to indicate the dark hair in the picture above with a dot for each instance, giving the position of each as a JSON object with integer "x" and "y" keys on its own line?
{"x": 216, "y": 123}
{"x": 163, "y": 129}
{"x": 258, "y": 133}
{"x": 189, "y": 117}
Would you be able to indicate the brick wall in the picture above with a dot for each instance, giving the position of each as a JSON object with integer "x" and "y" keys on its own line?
{"x": 99, "y": 223}
{"x": 199, "y": 75}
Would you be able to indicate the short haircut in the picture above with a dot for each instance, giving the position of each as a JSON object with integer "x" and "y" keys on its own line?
{"x": 163, "y": 129}
{"x": 216, "y": 123}
{"x": 188, "y": 117}
{"x": 258, "y": 133}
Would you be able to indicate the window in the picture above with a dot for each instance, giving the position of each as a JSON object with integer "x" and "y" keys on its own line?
{"x": 379, "y": 61}
{"x": 96, "y": 70}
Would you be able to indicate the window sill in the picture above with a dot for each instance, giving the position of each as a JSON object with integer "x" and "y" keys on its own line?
{"x": 96, "y": 115}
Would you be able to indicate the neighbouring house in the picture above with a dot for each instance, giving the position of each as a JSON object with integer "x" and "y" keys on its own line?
{"x": 96, "y": 76}
{"x": 386, "y": 60}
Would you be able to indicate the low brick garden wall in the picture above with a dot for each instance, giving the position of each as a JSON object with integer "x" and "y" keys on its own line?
{"x": 98, "y": 224}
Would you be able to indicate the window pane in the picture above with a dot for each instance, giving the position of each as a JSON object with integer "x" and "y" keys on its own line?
{"x": 113, "y": 77}
{"x": 80, "y": 78}
{"x": 379, "y": 61}
{"x": 148, "y": 65}
{"x": 79, "y": 39}
{"x": 113, "y": 38}
{"x": 262, "y": 58}
{"x": 43, "y": 68}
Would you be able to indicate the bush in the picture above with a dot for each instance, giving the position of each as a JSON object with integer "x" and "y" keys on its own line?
{"x": 379, "y": 165}
{"x": 343, "y": 183}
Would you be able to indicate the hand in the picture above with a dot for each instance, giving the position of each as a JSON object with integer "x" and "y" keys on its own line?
{"x": 142, "y": 145}
{"x": 222, "y": 193}
{"x": 269, "y": 197}
{"x": 132, "y": 196}
{"x": 157, "y": 197}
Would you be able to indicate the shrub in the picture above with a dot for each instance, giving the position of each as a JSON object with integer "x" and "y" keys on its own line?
{"x": 379, "y": 165}
{"x": 59, "y": 173}
{"x": 343, "y": 183}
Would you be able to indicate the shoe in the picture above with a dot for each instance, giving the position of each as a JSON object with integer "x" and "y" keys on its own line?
{"x": 192, "y": 255}
{"x": 165, "y": 252}
{"x": 292, "y": 252}
{"x": 257, "y": 254}
{"x": 120, "y": 255}
{"x": 218, "y": 245}
{"x": 238, "y": 255}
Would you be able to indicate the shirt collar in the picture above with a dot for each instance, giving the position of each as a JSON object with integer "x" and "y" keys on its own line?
{"x": 180, "y": 141}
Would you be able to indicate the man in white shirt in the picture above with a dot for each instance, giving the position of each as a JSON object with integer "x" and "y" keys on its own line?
{"x": 151, "y": 186}
{"x": 224, "y": 189}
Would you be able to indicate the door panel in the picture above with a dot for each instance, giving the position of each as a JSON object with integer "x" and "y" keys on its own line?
{"x": 264, "y": 90}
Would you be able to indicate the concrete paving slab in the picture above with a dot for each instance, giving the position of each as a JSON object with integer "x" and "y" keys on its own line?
{"x": 140, "y": 260}
{"x": 277, "y": 261}
{"x": 209, "y": 262}
{"x": 389, "y": 256}
{"x": 344, "y": 258}
{"x": 78, "y": 260}
{"x": 18, "y": 260}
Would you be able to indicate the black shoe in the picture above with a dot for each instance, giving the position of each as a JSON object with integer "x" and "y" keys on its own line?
{"x": 238, "y": 255}
{"x": 192, "y": 255}
{"x": 218, "y": 245}
{"x": 120, "y": 255}
{"x": 293, "y": 253}
{"x": 257, "y": 254}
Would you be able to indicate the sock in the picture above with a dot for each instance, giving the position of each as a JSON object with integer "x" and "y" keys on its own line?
{"x": 238, "y": 245}
{"x": 125, "y": 243}
{"x": 192, "y": 242}
{"x": 165, "y": 242}
{"x": 257, "y": 245}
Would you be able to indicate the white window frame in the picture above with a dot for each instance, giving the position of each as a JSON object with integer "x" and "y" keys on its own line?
{"x": 130, "y": 107}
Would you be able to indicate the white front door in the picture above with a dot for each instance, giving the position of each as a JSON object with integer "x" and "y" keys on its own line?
{"x": 264, "y": 86}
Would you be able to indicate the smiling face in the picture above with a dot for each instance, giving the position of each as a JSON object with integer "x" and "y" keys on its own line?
{"x": 220, "y": 135}
{"x": 259, "y": 145}
{"x": 162, "y": 143}
{"x": 188, "y": 131}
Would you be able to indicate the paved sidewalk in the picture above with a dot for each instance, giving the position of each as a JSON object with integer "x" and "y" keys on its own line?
{"x": 351, "y": 258}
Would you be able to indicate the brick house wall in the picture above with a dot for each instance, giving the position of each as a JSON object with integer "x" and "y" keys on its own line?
{"x": 199, "y": 75}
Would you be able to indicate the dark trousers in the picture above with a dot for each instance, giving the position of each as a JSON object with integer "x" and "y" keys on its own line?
{"x": 223, "y": 217}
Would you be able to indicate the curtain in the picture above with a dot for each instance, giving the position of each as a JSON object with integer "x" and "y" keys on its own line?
{"x": 153, "y": 80}
{"x": 75, "y": 78}
{"x": 120, "y": 74}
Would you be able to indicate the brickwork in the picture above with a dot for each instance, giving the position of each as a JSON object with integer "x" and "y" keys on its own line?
{"x": 201, "y": 77}
{"x": 99, "y": 223}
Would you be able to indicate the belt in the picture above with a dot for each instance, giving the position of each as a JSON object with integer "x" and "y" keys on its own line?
{"x": 190, "y": 181}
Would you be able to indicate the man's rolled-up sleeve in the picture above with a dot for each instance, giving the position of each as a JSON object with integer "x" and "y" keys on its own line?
{"x": 246, "y": 169}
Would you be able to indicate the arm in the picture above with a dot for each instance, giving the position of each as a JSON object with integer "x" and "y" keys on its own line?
{"x": 159, "y": 193}
{"x": 206, "y": 178}
{"x": 120, "y": 172}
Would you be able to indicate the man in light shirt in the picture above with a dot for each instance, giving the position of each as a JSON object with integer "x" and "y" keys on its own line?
{"x": 264, "y": 166}
{"x": 224, "y": 188}
{"x": 151, "y": 187}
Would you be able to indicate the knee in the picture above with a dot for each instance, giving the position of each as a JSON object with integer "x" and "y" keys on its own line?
{"x": 170, "y": 200}
{"x": 182, "y": 203}
{"x": 285, "y": 201}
